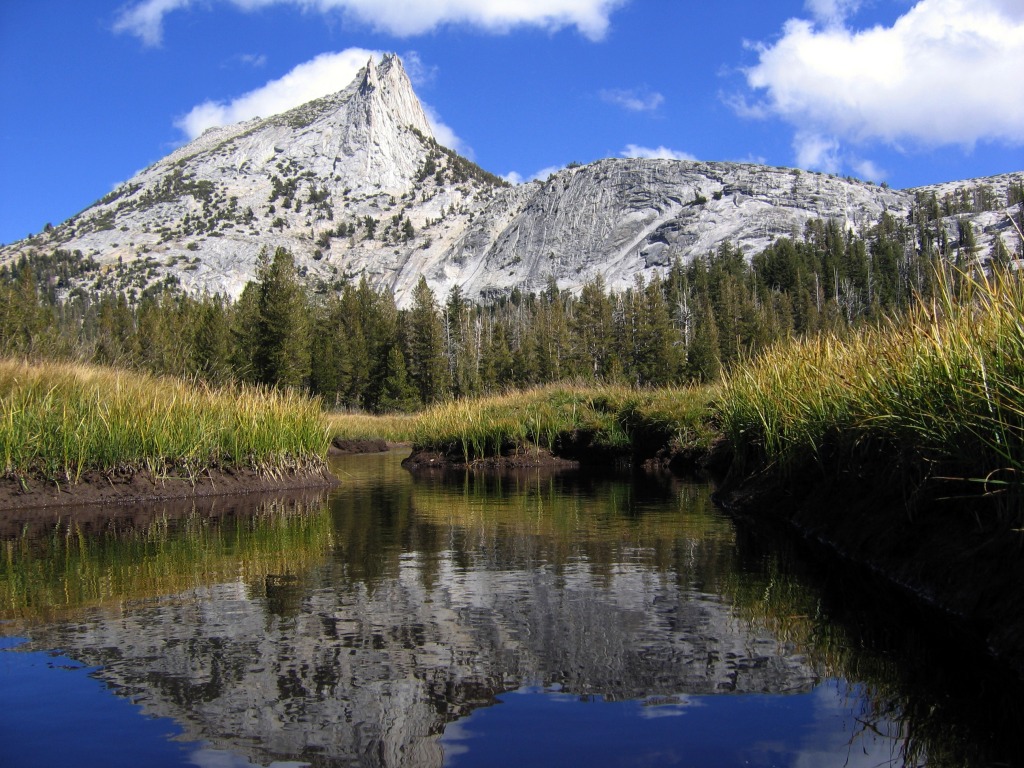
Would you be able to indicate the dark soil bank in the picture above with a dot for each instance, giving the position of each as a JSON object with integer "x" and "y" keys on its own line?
{"x": 527, "y": 458}
{"x": 127, "y": 486}
{"x": 343, "y": 447}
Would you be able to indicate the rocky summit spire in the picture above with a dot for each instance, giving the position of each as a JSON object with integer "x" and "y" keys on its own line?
{"x": 369, "y": 81}
{"x": 390, "y": 96}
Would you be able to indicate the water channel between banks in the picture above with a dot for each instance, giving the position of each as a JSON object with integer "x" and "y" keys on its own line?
{"x": 508, "y": 619}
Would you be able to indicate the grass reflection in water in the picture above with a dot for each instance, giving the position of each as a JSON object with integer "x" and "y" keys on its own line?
{"x": 67, "y": 568}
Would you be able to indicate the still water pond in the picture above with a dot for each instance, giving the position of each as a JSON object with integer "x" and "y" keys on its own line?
{"x": 517, "y": 620}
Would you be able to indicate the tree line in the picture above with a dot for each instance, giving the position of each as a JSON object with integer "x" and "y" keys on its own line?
{"x": 355, "y": 349}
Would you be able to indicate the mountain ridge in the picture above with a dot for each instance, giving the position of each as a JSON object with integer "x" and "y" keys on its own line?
{"x": 354, "y": 183}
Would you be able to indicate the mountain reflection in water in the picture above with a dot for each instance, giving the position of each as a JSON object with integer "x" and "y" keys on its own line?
{"x": 355, "y": 628}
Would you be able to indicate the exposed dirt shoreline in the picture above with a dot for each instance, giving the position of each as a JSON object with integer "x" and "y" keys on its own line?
{"x": 341, "y": 446}
{"x": 130, "y": 486}
{"x": 134, "y": 486}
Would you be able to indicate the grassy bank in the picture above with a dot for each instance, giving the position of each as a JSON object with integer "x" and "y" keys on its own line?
{"x": 58, "y": 421}
{"x": 939, "y": 397}
{"x": 568, "y": 420}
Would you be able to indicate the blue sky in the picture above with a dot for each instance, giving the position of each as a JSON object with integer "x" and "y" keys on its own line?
{"x": 908, "y": 92}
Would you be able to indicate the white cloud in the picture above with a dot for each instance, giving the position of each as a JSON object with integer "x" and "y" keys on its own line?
{"x": 946, "y": 72}
{"x": 655, "y": 153}
{"x": 404, "y": 18}
{"x": 633, "y": 99}
{"x": 327, "y": 73}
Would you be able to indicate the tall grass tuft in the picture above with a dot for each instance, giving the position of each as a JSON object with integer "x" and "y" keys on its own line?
{"x": 59, "y": 420}
{"x": 941, "y": 392}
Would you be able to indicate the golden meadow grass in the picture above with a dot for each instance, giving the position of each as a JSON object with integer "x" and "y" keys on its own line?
{"x": 943, "y": 390}
{"x": 540, "y": 417}
{"x": 58, "y": 420}
{"x": 395, "y": 428}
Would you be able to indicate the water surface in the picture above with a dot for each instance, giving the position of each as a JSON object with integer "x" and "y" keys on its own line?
{"x": 524, "y": 619}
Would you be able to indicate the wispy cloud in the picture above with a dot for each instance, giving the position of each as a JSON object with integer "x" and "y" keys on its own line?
{"x": 591, "y": 18}
{"x": 655, "y": 153}
{"x": 255, "y": 60}
{"x": 444, "y": 134}
{"x": 867, "y": 169}
{"x": 633, "y": 99}
{"x": 831, "y": 12}
{"x": 817, "y": 152}
{"x": 146, "y": 20}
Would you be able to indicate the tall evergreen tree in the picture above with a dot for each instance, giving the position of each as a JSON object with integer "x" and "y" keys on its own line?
{"x": 211, "y": 353}
{"x": 281, "y": 353}
{"x": 703, "y": 363}
{"x": 428, "y": 368}
{"x": 592, "y": 333}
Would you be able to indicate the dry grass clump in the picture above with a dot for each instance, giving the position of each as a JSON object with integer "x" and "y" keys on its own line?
{"x": 941, "y": 391}
{"x": 58, "y": 420}
{"x": 395, "y": 428}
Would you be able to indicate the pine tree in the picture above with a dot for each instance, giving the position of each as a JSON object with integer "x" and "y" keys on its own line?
{"x": 592, "y": 333}
{"x": 703, "y": 363}
{"x": 211, "y": 351}
{"x": 398, "y": 392}
{"x": 244, "y": 333}
{"x": 655, "y": 340}
{"x": 427, "y": 364}
{"x": 281, "y": 354}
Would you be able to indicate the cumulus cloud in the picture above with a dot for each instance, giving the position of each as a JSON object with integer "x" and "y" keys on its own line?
{"x": 633, "y": 99}
{"x": 655, "y": 153}
{"x": 403, "y": 18}
{"x": 327, "y": 73}
{"x": 944, "y": 73}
